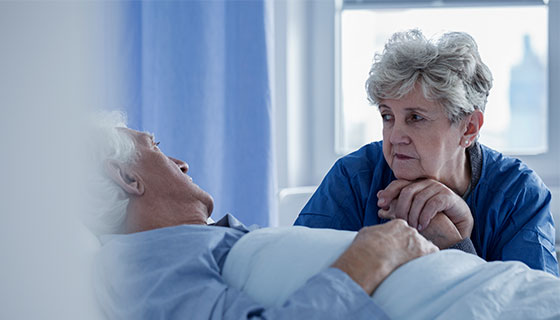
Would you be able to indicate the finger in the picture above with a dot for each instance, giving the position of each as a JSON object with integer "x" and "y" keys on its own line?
{"x": 406, "y": 197}
{"x": 385, "y": 214}
{"x": 399, "y": 223}
{"x": 419, "y": 245}
{"x": 430, "y": 247}
{"x": 418, "y": 203}
{"x": 390, "y": 210}
{"x": 392, "y": 191}
{"x": 434, "y": 205}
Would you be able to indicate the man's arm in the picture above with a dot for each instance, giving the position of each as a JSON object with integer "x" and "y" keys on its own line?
{"x": 343, "y": 291}
{"x": 174, "y": 274}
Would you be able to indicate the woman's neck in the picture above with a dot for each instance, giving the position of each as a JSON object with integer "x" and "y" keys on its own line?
{"x": 460, "y": 178}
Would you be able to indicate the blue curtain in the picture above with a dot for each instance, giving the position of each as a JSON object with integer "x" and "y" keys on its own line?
{"x": 196, "y": 74}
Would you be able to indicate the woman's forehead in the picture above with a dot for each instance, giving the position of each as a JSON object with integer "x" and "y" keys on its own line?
{"x": 414, "y": 101}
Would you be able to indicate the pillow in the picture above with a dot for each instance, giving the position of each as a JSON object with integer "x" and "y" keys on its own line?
{"x": 271, "y": 263}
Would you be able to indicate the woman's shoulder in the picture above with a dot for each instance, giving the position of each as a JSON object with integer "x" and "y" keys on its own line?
{"x": 367, "y": 156}
{"x": 506, "y": 172}
{"x": 367, "y": 163}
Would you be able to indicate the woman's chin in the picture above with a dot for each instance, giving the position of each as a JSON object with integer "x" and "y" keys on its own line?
{"x": 407, "y": 175}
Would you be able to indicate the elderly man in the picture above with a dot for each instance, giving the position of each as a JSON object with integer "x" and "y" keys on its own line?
{"x": 160, "y": 259}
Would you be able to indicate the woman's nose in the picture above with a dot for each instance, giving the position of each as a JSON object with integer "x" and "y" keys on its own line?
{"x": 398, "y": 134}
{"x": 181, "y": 164}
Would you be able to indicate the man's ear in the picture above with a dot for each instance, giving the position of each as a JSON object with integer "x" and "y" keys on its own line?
{"x": 125, "y": 177}
{"x": 472, "y": 129}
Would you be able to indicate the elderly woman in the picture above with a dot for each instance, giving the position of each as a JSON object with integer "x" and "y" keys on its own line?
{"x": 430, "y": 169}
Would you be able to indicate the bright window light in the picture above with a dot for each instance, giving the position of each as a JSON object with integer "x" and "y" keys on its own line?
{"x": 512, "y": 41}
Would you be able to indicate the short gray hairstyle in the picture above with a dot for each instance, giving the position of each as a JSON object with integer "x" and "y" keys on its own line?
{"x": 106, "y": 201}
{"x": 449, "y": 71}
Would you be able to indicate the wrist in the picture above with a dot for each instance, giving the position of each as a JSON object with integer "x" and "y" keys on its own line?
{"x": 366, "y": 274}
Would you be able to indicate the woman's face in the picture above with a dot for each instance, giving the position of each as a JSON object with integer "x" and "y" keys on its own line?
{"x": 419, "y": 140}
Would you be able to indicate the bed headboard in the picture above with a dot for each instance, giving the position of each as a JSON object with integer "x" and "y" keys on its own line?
{"x": 290, "y": 203}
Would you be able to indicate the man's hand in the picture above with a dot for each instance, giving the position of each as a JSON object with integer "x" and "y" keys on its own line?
{"x": 418, "y": 202}
{"x": 379, "y": 250}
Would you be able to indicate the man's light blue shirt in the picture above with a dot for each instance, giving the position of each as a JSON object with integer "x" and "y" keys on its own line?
{"x": 175, "y": 273}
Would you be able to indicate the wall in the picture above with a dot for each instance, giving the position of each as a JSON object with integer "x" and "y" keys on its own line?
{"x": 48, "y": 71}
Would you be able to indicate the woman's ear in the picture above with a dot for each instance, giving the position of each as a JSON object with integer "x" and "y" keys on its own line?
{"x": 474, "y": 122}
{"x": 125, "y": 177}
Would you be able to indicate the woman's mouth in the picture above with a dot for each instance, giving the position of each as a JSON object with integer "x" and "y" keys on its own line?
{"x": 401, "y": 156}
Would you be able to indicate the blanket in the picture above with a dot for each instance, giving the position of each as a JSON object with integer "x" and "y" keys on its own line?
{"x": 270, "y": 264}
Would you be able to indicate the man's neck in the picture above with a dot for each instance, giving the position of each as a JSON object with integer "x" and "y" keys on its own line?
{"x": 142, "y": 216}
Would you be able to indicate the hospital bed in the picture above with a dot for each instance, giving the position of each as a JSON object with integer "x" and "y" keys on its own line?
{"x": 269, "y": 264}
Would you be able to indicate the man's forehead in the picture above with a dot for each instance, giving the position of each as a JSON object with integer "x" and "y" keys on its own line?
{"x": 137, "y": 135}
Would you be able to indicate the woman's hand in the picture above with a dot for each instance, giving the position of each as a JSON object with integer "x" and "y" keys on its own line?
{"x": 418, "y": 202}
{"x": 442, "y": 232}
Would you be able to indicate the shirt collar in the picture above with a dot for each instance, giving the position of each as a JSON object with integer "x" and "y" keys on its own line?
{"x": 231, "y": 222}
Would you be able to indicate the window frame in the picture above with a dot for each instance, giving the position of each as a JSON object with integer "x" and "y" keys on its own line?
{"x": 312, "y": 62}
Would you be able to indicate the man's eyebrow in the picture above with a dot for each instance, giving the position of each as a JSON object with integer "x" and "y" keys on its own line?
{"x": 150, "y": 136}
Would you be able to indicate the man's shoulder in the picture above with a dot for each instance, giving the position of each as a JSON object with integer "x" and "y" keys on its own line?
{"x": 168, "y": 240}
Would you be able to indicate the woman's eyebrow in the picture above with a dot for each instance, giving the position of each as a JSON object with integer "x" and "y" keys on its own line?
{"x": 417, "y": 109}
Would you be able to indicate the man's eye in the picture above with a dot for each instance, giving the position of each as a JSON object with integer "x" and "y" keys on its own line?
{"x": 386, "y": 117}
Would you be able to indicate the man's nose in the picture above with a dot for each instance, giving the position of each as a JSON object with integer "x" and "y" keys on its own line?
{"x": 181, "y": 164}
{"x": 399, "y": 134}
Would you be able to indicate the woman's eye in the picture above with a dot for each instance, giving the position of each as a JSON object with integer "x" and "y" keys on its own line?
{"x": 416, "y": 117}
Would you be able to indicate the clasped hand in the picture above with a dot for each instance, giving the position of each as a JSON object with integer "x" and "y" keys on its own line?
{"x": 419, "y": 202}
{"x": 379, "y": 250}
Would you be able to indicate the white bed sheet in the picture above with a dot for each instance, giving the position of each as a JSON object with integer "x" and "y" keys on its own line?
{"x": 270, "y": 264}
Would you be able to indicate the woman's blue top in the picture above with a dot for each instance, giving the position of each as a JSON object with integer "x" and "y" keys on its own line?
{"x": 510, "y": 205}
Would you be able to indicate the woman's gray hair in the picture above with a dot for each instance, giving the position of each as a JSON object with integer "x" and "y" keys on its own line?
{"x": 106, "y": 201}
{"x": 448, "y": 70}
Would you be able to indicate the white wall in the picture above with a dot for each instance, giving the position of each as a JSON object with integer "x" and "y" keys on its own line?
{"x": 48, "y": 76}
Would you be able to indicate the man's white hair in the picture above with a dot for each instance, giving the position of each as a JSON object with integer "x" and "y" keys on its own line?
{"x": 448, "y": 70}
{"x": 107, "y": 202}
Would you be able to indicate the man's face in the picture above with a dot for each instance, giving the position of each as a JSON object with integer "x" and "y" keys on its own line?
{"x": 165, "y": 178}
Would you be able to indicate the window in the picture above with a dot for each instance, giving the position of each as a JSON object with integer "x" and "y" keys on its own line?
{"x": 512, "y": 41}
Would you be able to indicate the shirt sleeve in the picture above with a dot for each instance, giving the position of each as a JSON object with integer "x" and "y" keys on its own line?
{"x": 528, "y": 233}
{"x": 465, "y": 245}
{"x": 533, "y": 242}
{"x": 330, "y": 294}
{"x": 334, "y": 204}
